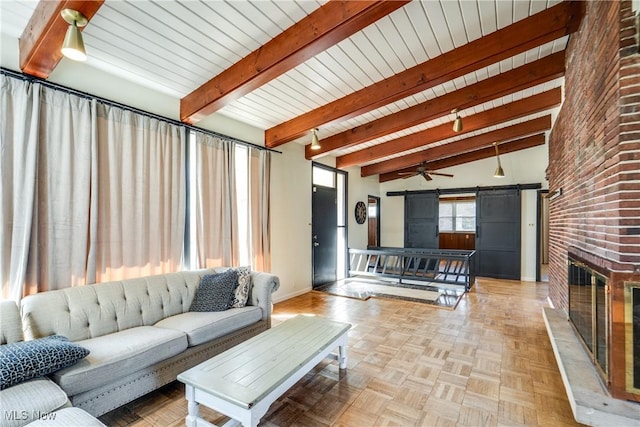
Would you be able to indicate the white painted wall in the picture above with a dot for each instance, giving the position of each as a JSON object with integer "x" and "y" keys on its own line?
{"x": 358, "y": 190}
{"x": 528, "y": 236}
{"x": 291, "y": 221}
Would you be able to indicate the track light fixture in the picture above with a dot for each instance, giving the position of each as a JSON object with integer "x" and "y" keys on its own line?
{"x": 73, "y": 46}
{"x": 457, "y": 123}
{"x": 499, "y": 173}
{"x": 315, "y": 142}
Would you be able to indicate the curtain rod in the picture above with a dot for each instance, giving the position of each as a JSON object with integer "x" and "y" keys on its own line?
{"x": 66, "y": 89}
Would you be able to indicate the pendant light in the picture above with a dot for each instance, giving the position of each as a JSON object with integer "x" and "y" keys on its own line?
{"x": 457, "y": 123}
{"x": 499, "y": 173}
{"x": 73, "y": 46}
{"x": 315, "y": 143}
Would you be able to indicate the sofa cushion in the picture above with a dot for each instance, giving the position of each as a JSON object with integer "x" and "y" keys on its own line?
{"x": 215, "y": 292}
{"x": 68, "y": 417}
{"x": 24, "y": 360}
{"x": 201, "y": 327}
{"x": 24, "y": 401}
{"x": 242, "y": 291}
{"x": 118, "y": 354}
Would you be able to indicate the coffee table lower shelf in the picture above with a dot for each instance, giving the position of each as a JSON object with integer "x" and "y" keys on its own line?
{"x": 245, "y": 380}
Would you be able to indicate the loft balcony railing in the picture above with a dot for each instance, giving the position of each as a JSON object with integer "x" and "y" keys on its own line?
{"x": 453, "y": 267}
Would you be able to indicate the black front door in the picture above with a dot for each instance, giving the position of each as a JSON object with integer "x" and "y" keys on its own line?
{"x": 421, "y": 217}
{"x": 498, "y": 234}
{"x": 324, "y": 236}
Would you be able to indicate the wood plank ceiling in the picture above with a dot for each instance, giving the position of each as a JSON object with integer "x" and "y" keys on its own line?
{"x": 378, "y": 79}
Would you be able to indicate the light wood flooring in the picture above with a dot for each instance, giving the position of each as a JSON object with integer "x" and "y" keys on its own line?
{"x": 489, "y": 362}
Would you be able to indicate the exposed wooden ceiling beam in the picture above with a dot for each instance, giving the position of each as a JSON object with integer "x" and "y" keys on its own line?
{"x": 42, "y": 38}
{"x": 526, "y": 76}
{"x": 494, "y": 116}
{"x": 472, "y": 156}
{"x": 548, "y": 25}
{"x": 326, "y": 26}
{"x": 461, "y": 146}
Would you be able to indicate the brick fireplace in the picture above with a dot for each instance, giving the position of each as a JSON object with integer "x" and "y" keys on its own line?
{"x": 594, "y": 159}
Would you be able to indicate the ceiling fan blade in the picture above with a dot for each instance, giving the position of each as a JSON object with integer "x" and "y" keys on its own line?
{"x": 441, "y": 174}
{"x": 426, "y": 176}
{"x": 406, "y": 173}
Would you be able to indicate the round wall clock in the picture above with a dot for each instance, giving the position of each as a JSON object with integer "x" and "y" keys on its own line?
{"x": 361, "y": 212}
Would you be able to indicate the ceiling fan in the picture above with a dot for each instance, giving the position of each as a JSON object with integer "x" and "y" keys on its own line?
{"x": 424, "y": 172}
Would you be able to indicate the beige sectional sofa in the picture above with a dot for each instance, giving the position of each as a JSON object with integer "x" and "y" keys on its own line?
{"x": 39, "y": 401}
{"x": 140, "y": 332}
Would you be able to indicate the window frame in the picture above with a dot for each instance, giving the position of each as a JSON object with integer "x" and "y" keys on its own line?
{"x": 454, "y": 202}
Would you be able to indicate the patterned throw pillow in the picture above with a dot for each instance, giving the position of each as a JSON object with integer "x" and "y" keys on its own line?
{"x": 242, "y": 291}
{"x": 215, "y": 292}
{"x": 24, "y": 360}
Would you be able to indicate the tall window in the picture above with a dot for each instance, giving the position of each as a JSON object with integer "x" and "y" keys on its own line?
{"x": 457, "y": 215}
{"x": 242, "y": 201}
{"x": 225, "y": 205}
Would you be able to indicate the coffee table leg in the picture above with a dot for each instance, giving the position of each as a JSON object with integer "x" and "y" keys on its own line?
{"x": 343, "y": 356}
{"x": 193, "y": 407}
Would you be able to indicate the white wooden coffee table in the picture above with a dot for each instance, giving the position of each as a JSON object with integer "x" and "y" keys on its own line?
{"x": 245, "y": 380}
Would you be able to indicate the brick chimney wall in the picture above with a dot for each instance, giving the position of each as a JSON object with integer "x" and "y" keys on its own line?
{"x": 594, "y": 157}
{"x": 594, "y": 149}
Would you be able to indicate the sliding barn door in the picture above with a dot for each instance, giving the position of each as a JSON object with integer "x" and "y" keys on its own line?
{"x": 498, "y": 234}
{"x": 421, "y": 221}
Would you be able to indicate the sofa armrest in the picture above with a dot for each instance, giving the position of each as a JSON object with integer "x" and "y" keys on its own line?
{"x": 10, "y": 322}
{"x": 262, "y": 286}
{"x": 24, "y": 402}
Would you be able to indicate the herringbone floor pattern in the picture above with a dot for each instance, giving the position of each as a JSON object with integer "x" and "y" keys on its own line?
{"x": 489, "y": 362}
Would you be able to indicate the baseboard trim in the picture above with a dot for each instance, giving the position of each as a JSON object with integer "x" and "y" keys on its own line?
{"x": 280, "y": 298}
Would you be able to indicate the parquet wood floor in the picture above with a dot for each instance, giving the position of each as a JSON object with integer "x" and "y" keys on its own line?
{"x": 488, "y": 363}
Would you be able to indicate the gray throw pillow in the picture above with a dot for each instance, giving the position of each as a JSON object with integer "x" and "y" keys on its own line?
{"x": 242, "y": 291}
{"x": 24, "y": 360}
{"x": 215, "y": 292}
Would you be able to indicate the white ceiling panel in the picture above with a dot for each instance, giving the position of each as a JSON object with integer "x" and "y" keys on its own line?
{"x": 176, "y": 46}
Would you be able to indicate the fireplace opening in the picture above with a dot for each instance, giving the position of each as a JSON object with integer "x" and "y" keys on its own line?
{"x": 589, "y": 312}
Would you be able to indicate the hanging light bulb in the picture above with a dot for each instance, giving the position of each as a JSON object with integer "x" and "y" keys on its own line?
{"x": 315, "y": 142}
{"x": 73, "y": 45}
{"x": 499, "y": 173}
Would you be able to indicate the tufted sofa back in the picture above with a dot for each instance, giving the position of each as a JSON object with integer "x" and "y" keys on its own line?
{"x": 91, "y": 311}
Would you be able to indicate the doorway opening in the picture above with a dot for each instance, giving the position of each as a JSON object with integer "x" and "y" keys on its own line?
{"x": 373, "y": 222}
{"x": 328, "y": 224}
{"x": 542, "y": 268}
{"x": 457, "y": 222}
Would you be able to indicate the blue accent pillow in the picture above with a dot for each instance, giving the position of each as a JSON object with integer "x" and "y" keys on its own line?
{"x": 215, "y": 292}
{"x": 24, "y": 360}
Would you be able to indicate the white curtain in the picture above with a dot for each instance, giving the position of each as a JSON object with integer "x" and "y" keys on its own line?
{"x": 89, "y": 192}
{"x": 258, "y": 236}
{"x": 141, "y": 195}
{"x": 216, "y": 227}
{"x": 231, "y": 204}
{"x": 47, "y": 143}
{"x": 92, "y": 192}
